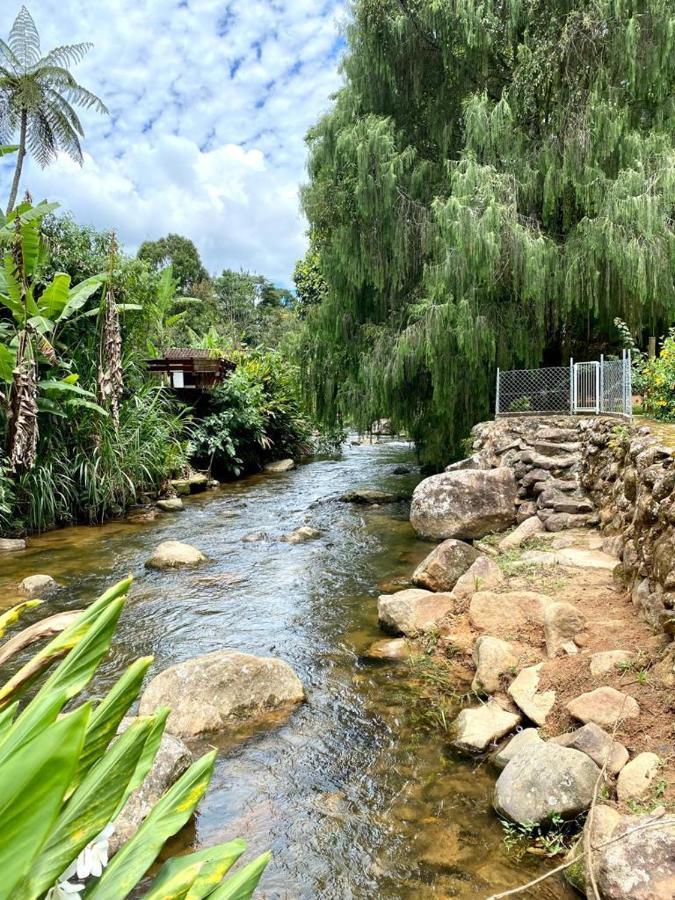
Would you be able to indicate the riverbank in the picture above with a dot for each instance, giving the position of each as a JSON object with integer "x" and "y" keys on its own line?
{"x": 358, "y": 793}
{"x": 570, "y": 678}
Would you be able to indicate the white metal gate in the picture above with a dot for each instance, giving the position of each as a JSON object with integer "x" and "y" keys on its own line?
{"x": 586, "y": 387}
{"x": 603, "y": 387}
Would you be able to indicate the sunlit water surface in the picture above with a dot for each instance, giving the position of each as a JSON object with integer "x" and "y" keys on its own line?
{"x": 357, "y": 794}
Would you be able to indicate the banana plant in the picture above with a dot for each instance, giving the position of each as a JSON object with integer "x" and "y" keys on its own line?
{"x": 64, "y": 778}
{"x": 28, "y": 340}
{"x": 161, "y": 311}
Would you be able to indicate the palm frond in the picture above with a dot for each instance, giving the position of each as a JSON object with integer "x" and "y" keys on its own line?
{"x": 24, "y": 40}
{"x": 41, "y": 140}
{"x": 69, "y": 54}
{"x": 7, "y": 54}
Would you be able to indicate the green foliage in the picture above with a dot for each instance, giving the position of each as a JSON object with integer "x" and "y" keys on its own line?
{"x": 254, "y": 416}
{"x": 38, "y": 95}
{"x": 178, "y": 252}
{"x": 163, "y": 318}
{"x": 493, "y": 186}
{"x": 64, "y": 777}
{"x": 85, "y": 469}
{"x": 657, "y": 377}
{"x": 309, "y": 282}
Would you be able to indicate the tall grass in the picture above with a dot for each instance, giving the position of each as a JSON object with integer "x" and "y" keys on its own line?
{"x": 87, "y": 472}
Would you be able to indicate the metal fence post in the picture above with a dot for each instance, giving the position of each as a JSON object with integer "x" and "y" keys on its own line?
{"x": 497, "y": 395}
{"x": 601, "y": 384}
{"x": 572, "y": 387}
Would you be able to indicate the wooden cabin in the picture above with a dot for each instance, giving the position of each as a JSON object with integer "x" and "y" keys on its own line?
{"x": 190, "y": 370}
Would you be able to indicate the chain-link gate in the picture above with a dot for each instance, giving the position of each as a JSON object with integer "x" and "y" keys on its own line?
{"x": 599, "y": 387}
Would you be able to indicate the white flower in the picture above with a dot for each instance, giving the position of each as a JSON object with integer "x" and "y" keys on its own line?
{"x": 94, "y": 858}
{"x": 64, "y": 890}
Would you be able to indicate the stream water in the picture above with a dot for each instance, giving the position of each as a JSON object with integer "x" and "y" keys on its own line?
{"x": 358, "y": 794}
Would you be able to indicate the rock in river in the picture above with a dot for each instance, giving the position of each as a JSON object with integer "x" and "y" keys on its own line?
{"x": 221, "y": 690}
{"x": 445, "y": 565}
{"x": 301, "y": 535}
{"x": 171, "y": 504}
{"x": 175, "y": 555}
{"x": 413, "y": 611}
{"x": 547, "y": 780}
{"x": 38, "y": 586}
{"x": 368, "y": 497}
{"x": 172, "y": 759}
{"x": 11, "y": 545}
{"x": 280, "y": 466}
{"x": 467, "y": 504}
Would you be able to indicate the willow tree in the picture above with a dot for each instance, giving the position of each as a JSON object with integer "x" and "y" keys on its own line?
{"x": 494, "y": 184}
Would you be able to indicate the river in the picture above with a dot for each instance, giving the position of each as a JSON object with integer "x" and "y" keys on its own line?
{"x": 358, "y": 794}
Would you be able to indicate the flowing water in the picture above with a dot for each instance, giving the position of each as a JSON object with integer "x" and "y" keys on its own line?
{"x": 357, "y": 794}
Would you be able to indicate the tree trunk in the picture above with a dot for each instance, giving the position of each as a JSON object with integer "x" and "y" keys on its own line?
{"x": 19, "y": 161}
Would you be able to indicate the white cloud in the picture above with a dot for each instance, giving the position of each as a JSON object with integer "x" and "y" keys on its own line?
{"x": 210, "y": 101}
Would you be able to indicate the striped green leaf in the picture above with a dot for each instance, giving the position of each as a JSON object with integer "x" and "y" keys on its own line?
{"x": 32, "y": 786}
{"x": 194, "y": 876}
{"x": 109, "y": 713}
{"x": 168, "y": 816}
{"x": 241, "y": 884}
{"x": 66, "y": 681}
{"x": 148, "y": 754}
{"x": 90, "y": 808}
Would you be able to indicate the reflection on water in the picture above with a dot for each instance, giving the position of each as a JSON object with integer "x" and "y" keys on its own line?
{"x": 357, "y": 795}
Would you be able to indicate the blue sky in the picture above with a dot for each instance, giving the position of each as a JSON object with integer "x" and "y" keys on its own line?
{"x": 209, "y": 103}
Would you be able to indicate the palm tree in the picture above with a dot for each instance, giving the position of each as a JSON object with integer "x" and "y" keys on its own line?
{"x": 37, "y": 94}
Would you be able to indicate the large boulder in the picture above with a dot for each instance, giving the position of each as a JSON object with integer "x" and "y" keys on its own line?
{"x": 221, "y": 690}
{"x": 474, "y": 730}
{"x": 467, "y": 504}
{"x": 38, "y": 586}
{"x": 413, "y": 611}
{"x": 172, "y": 759}
{"x": 482, "y": 575}
{"x": 640, "y": 866}
{"x": 493, "y": 658}
{"x": 545, "y": 781}
{"x": 175, "y": 555}
{"x": 605, "y": 706}
{"x": 445, "y": 564}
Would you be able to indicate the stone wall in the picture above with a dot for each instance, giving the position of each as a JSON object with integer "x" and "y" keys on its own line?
{"x": 630, "y": 476}
{"x": 573, "y": 472}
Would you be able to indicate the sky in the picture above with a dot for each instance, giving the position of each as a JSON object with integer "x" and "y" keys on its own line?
{"x": 209, "y": 102}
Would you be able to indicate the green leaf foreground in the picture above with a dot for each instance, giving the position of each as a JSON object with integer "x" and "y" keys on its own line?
{"x": 64, "y": 778}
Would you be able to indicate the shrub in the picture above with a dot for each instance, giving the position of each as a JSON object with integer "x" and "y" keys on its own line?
{"x": 657, "y": 377}
{"x": 65, "y": 776}
{"x": 253, "y": 416}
